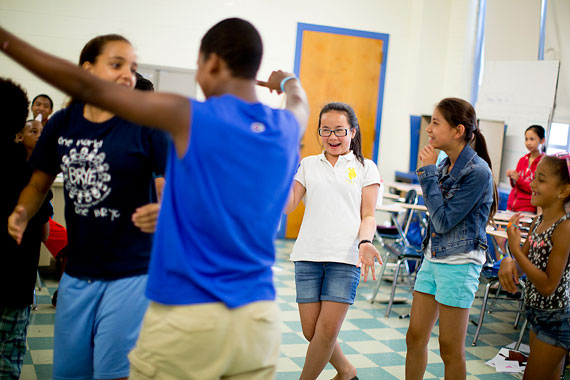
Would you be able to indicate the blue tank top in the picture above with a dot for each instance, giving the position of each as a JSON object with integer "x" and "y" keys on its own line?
{"x": 222, "y": 205}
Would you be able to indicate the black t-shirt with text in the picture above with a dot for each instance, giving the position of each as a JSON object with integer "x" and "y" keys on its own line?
{"x": 108, "y": 172}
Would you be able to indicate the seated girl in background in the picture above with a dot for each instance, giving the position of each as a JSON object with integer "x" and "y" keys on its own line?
{"x": 544, "y": 260}
{"x": 519, "y": 199}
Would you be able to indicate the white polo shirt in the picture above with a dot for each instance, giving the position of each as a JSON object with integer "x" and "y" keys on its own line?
{"x": 329, "y": 231}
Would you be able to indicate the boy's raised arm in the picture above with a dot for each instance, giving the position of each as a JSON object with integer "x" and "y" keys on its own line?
{"x": 297, "y": 101}
{"x": 168, "y": 112}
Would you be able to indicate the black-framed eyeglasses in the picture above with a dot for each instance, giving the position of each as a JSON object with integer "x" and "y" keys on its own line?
{"x": 341, "y": 132}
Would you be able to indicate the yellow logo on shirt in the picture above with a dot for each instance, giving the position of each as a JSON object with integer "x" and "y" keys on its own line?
{"x": 351, "y": 175}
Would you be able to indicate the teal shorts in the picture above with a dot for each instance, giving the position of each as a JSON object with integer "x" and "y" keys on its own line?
{"x": 451, "y": 284}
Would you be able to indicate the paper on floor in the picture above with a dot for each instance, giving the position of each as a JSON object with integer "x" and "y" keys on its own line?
{"x": 501, "y": 363}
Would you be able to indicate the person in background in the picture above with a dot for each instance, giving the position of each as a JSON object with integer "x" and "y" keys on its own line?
{"x": 144, "y": 84}
{"x": 19, "y": 261}
{"x": 29, "y": 135}
{"x": 42, "y": 105}
{"x": 522, "y": 176}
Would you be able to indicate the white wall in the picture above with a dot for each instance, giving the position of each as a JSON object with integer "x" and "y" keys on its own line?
{"x": 430, "y": 49}
{"x": 512, "y": 30}
{"x": 557, "y": 47}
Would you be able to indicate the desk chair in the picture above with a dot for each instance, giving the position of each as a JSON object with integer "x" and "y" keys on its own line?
{"x": 404, "y": 254}
{"x": 400, "y": 249}
{"x": 398, "y": 231}
{"x": 492, "y": 279}
{"x": 39, "y": 287}
{"x": 490, "y": 273}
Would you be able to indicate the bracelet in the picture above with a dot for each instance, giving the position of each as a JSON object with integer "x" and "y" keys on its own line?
{"x": 284, "y": 80}
{"x": 363, "y": 241}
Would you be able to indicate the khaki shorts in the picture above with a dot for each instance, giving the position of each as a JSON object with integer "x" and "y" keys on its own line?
{"x": 207, "y": 341}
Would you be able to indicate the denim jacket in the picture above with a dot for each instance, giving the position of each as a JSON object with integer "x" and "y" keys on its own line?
{"x": 458, "y": 203}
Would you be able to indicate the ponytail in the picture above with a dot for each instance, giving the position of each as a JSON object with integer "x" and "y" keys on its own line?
{"x": 480, "y": 147}
{"x": 458, "y": 111}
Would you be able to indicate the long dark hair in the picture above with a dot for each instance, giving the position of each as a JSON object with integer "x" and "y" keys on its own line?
{"x": 95, "y": 46}
{"x": 458, "y": 111}
{"x": 93, "y": 49}
{"x": 356, "y": 142}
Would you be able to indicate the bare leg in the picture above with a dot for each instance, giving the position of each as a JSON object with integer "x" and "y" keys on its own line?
{"x": 345, "y": 370}
{"x": 309, "y": 314}
{"x": 321, "y": 324}
{"x": 422, "y": 318}
{"x": 545, "y": 361}
{"x": 452, "y": 331}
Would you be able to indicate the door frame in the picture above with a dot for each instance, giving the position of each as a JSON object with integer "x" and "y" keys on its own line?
{"x": 301, "y": 27}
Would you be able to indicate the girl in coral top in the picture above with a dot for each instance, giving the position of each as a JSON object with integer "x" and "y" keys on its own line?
{"x": 519, "y": 199}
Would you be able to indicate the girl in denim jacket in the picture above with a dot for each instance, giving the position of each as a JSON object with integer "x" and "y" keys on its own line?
{"x": 460, "y": 196}
{"x": 544, "y": 260}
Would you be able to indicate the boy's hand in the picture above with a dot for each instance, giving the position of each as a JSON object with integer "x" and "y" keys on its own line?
{"x": 274, "y": 81}
{"x": 17, "y": 223}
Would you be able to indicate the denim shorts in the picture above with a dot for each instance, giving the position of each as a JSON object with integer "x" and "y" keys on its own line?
{"x": 451, "y": 284}
{"x": 550, "y": 326}
{"x": 324, "y": 281}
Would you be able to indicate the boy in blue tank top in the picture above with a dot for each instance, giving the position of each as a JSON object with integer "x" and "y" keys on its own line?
{"x": 230, "y": 168}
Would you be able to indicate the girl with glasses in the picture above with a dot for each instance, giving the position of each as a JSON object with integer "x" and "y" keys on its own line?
{"x": 340, "y": 188}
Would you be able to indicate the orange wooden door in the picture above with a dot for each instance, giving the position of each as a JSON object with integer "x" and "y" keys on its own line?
{"x": 340, "y": 65}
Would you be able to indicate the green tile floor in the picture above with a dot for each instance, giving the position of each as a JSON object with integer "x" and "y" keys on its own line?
{"x": 374, "y": 344}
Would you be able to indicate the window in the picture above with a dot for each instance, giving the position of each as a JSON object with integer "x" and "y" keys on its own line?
{"x": 558, "y": 139}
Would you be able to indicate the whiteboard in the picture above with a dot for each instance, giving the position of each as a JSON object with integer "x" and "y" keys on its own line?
{"x": 520, "y": 93}
{"x": 170, "y": 79}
